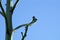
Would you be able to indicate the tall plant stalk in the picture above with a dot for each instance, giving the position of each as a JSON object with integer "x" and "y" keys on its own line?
{"x": 8, "y": 20}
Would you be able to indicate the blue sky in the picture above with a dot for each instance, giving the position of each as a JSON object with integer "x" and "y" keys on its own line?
{"x": 47, "y": 26}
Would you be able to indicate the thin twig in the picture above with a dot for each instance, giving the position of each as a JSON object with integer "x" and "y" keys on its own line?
{"x": 14, "y": 6}
{"x": 22, "y": 33}
{"x": 29, "y": 24}
{"x": 19, "y": 27}
{"x": 0, "y": 12}
{"x": 25, "y": 34}
{"x": 4, "y": 15}
{"x": 3, "y": 12}
{"x": 2, "y": 8}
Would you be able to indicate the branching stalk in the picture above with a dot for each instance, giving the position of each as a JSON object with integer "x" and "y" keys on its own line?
{"x": 14, "y": 6}
{"x": 29, "y": 24}
{"x": 2, "y": 8}
{"x": 25, "y": 34}
{"x": 3, "y": 12}
{"x": 8, "y": 20}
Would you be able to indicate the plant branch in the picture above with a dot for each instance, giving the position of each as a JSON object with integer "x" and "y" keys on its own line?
{"x": 2, "y": 8}
{"x": 22, "y": 33}
{"x": 14, "y": 6}
{"x": 26, "y": 28}
{"x": 29, "y": 24}
{"x": 3, "y": 12}
{"x": 25, "y": 34}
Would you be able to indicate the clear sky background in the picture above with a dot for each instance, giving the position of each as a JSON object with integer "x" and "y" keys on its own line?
{"x": 47, "y": 26}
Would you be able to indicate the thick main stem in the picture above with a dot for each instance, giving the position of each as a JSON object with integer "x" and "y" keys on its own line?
{"x": 8, "y": 28}
{"x": 8, "y": 21}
